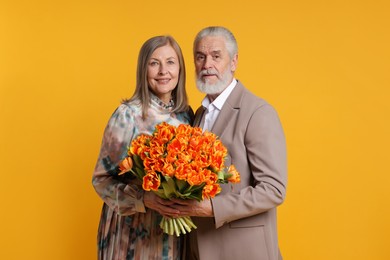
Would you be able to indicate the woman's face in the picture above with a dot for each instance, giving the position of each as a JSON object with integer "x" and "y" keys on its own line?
{"x": 163, "y": 72}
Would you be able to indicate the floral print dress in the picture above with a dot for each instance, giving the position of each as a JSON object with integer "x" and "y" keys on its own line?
{"x": 127, "y": 229}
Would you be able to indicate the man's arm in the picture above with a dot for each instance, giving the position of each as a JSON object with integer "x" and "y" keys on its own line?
{"x": 266, "y": 161}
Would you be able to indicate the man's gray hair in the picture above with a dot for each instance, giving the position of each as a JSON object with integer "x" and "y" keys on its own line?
{"x": 231, "y": 43}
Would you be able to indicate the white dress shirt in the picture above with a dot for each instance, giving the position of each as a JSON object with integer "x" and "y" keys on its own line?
{"x": 212, "y": 109}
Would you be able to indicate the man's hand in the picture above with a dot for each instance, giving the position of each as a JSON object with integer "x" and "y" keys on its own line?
{"x": 164, "y": 207}
{"x": 193, "y": 208}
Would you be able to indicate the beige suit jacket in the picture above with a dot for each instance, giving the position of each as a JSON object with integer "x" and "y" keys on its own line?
{"x": 244, "y": 224}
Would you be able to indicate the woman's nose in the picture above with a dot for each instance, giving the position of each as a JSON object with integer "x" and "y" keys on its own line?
{"x": 162, "y": 70}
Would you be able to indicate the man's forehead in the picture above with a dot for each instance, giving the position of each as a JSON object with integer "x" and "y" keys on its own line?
{"x": 211, "y": 44}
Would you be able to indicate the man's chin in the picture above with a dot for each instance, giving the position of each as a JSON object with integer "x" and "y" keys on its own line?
{"x": 210, "y": 89}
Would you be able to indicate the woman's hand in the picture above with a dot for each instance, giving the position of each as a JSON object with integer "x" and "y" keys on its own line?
{"x": 152, "y": 201}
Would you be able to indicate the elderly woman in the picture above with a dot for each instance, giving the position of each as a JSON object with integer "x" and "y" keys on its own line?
{"x": 129, "y": 225}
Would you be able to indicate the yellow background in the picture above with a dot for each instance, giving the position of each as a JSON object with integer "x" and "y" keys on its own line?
{"x": 324, "y": 65}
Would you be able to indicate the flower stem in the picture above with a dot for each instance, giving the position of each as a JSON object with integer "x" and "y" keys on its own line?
{"x": 180, "y": 223}
{"x": 170, "y": 227}
{"x": 189, "y": 222}
{"x": 184, "y": 224}
{"x": 176, "y": 227}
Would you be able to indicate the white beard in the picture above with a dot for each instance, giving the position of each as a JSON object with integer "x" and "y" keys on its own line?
{"x": 216, "y": 88}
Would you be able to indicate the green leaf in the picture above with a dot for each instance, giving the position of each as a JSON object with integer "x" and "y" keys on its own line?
{"x": 168, "y": 190}
{"x": 195, "y": 188}
{"x": 138, "y": 162}
{"x": 197, "y": 195}
{"x": 183, "y": 195}
{"x": 161, "y": 193}
{"x": 181, "y": 185}
{"x": 170, "y": 182}
{"x": 140, "y": 173}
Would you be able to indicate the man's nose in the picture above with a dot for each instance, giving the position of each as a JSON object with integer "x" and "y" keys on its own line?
{"x": 207, "y": 63}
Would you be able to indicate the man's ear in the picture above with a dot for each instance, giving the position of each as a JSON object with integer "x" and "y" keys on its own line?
{"x": 233, "y": 65}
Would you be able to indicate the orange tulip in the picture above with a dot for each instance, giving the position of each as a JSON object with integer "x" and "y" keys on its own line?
{"x": 184, "y": 129}
{"x": 167, "y": 169}
{"x": 181, "y": 172}
{"x": 235, "y": 175}
{"x": 125, "y": 165}
{"x": 195, "y": 177}
{"x": 175, "y": 145}
{"x": 210, "y": 190}
{"x": 156, "y": 150}
{"x": 151, "y": 181}
{"x": 217, "y": 162}
{"x": 164, "y": 132}
{"x": 211, "y": 177}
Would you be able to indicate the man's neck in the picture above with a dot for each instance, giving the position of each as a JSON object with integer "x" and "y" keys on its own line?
{"x": 212, "y": 97}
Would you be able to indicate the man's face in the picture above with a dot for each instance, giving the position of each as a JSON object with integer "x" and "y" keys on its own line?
{"x": 214, "y": 67}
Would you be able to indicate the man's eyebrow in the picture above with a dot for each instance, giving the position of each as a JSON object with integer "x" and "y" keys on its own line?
{"x": 212, "y": 52}
{"x": 199, "y": 52}
{"x": 216, "y": 52}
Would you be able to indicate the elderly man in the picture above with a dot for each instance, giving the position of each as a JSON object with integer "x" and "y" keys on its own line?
{"x": 240, "y": 222}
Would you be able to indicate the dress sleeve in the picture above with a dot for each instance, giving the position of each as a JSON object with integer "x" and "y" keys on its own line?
{"x": 121, "y": 194}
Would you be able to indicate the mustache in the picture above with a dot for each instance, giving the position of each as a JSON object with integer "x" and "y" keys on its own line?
{"x": 208, "y": 72}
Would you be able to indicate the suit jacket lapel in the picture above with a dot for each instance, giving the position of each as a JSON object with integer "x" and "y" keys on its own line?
{"x": 198, "y": 116}
{"x": 229, "y": 110}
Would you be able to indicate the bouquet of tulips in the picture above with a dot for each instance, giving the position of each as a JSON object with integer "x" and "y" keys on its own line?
{"x": 180, "y": 162}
